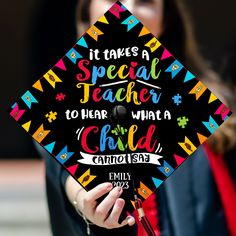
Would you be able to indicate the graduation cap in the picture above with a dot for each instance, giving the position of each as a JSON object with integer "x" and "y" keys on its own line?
{"x": 119, "y": 107}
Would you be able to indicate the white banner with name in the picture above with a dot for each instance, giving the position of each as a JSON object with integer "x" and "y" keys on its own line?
{"x": 118, "y": 159}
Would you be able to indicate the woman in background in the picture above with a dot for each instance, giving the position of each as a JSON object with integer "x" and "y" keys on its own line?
{"x": 193, "y": 201}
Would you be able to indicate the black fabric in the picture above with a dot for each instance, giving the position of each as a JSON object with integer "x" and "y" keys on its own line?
{"x": 189, "y": 201}
{"x": 230, "y": 159}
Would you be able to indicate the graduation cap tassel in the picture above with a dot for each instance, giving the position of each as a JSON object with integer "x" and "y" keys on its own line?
{"x": 142, "y": 217}
{"x": 119, "y": 115}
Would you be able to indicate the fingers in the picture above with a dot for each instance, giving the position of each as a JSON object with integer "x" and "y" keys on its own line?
{"x": 105, "y": 206}
{"x": 112, "y": 220}
{"x": 98, "y": 191}
{"x": 89, "y": 200}
{"x": 130, "y": 220}
{"x": 107, "y": 213}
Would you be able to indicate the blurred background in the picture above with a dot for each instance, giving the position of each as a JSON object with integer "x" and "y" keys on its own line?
{"x": 26, "y": 27}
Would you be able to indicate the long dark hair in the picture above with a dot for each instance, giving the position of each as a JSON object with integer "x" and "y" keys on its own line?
{"x": 178, "y": 38}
